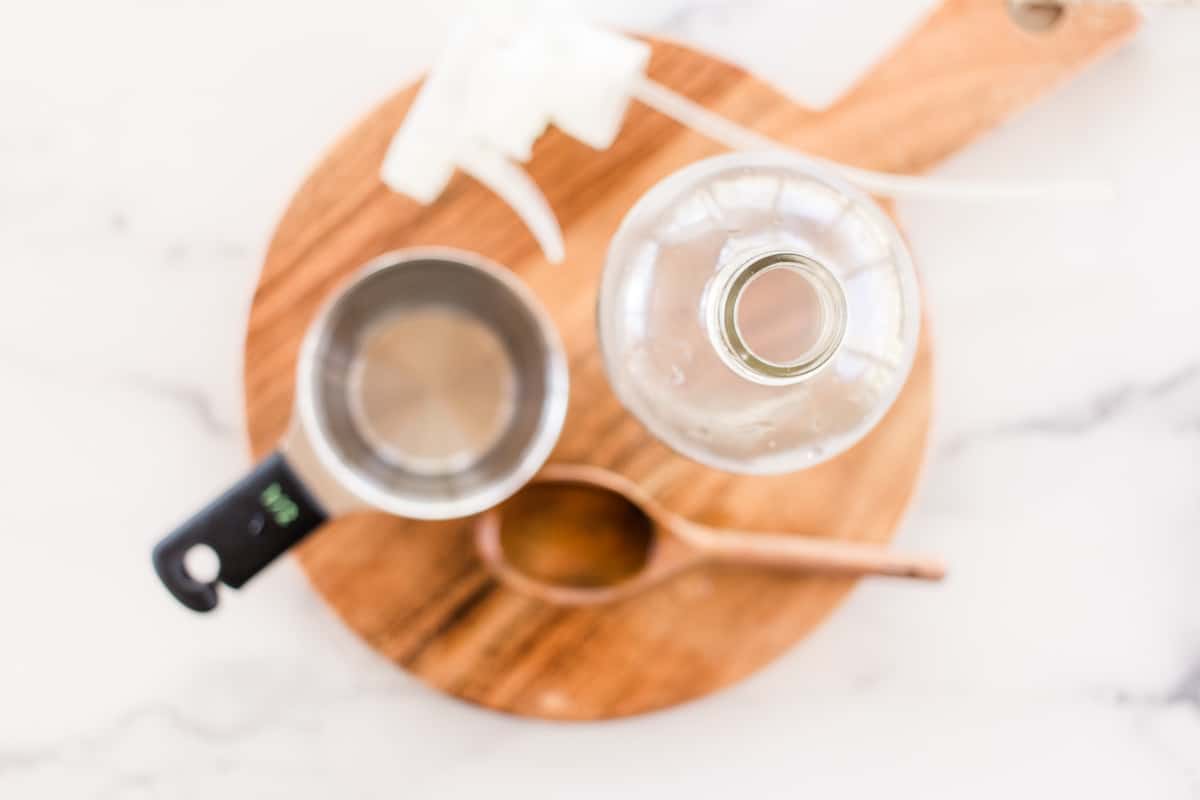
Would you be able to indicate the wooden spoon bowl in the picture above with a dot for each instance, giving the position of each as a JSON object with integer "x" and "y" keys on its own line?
{"x": 582, "y": 535}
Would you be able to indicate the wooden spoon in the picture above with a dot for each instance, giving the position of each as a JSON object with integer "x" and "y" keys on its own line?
{"x": 581, "y": 535}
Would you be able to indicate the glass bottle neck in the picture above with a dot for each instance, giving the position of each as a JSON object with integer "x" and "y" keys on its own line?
{"x": 776, "y": 318}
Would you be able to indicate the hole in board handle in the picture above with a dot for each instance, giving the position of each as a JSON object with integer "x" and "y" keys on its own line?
{"x": 1036, "y": 16}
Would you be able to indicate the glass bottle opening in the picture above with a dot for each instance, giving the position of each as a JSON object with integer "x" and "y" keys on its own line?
{"x": 777, "y": 317}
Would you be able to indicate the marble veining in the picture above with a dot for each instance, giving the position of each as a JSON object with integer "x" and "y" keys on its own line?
{"x": 193, "y": 400}
{"x": 141, "y": 179}
{"x": 1086, "y": 416}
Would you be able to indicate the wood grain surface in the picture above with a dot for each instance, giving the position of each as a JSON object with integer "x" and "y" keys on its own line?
{"x": 416, "y": 592}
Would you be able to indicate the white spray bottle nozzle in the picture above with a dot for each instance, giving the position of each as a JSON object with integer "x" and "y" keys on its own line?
{"x": 504, "y": 76}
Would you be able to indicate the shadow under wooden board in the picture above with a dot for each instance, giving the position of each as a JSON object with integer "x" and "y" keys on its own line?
{"x": 416, "y": 592}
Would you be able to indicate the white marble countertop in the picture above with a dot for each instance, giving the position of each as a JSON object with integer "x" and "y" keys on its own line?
{"x": 146, "y": 150}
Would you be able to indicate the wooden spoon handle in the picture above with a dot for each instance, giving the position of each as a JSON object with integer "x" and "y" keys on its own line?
{"x": 807, "y": 553}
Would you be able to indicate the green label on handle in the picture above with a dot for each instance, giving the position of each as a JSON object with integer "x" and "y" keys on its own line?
{"x": 280, "y": 506}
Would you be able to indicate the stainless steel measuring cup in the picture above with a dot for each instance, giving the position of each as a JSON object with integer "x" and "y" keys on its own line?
{"x": 432, "y": 386}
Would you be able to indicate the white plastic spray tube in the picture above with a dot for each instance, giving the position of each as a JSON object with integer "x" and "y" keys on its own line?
{"x": 506, "y": 75}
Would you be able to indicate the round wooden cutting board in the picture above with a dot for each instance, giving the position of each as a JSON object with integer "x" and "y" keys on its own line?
{"x": 415, "y": 591}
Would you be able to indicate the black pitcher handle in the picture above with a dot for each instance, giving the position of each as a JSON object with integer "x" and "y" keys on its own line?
{"x": 259, "y": 518}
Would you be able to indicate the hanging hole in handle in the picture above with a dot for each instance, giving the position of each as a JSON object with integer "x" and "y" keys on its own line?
{"x": 1036, "y": 16}
{"x": 202, "y": 564}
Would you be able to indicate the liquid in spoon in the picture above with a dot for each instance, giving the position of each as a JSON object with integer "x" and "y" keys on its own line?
{"x": 575, "y": 535}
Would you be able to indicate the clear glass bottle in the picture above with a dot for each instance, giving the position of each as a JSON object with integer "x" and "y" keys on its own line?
{"x": 757, "y": 313}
